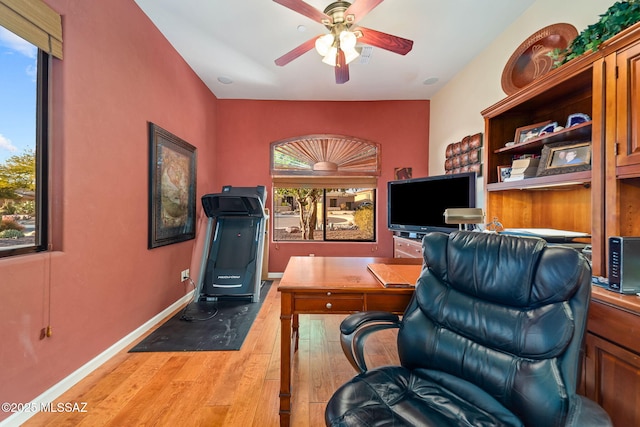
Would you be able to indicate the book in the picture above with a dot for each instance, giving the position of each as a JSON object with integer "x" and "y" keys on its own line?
{"x": 396, "y": 275}
{"x": 523, "y": 168}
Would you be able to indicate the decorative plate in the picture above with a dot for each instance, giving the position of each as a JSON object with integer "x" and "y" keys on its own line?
{"x": 576, "y": 119}
{"x": 531, "y": 59}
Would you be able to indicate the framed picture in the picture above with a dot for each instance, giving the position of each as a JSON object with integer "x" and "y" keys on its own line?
{"x": 172, "y": 188}
{"x": 527, "y": 133}
{"x": 504, "y": 172}
{"x": 564, "y": 157}
{"x": 402, "y": 173}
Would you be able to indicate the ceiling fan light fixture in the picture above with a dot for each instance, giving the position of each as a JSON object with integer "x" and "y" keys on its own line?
{"x": 339, "y": 47}
{"x": 348, "y": 42}
{"x": 350, "y": 54}
{"x": 330, "y": 57}
{"x": 328, "y": 46}
{"x": 324, "y": 43}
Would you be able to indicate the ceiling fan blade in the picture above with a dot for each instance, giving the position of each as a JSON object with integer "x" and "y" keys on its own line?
{"x": 342, "y": 68}
{"x": 385, "y": 41}
{"x": 360, "y": 8}
{"x": 296, "y": 52}
{"x": 305, "y": 9}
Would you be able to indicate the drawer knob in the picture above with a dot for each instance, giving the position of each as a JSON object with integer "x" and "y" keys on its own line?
{"x": 328, "y": 294}
{"x": 329, "y": 306}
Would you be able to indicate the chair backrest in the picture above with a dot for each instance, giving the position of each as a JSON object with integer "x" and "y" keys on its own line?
{"x": 505, "y": 313}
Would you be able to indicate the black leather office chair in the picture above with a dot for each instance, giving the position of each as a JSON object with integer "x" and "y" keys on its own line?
{"x": 491, "y": 337}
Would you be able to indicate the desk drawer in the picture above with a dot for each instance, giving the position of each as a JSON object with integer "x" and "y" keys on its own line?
{"x": 406, "y": 248}
{"x": 328, "y": 302}
{"x": 387, "y": 302}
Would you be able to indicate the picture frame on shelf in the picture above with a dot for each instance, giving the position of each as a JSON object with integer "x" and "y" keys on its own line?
{"x": 172, "y": 188}
{"x": 563, "y": 157}
{"x": 527, "y": 133}
{"x": 504, "y": 172}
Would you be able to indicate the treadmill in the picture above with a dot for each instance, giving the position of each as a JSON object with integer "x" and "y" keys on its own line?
{"x": 231, "y": 264}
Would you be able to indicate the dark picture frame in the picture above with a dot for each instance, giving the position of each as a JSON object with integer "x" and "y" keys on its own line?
{"x": 172, "y": 188}
{"x": 504, "y": 172}
{"x": 527, "y": 133}
{"x": 563, "y": 157}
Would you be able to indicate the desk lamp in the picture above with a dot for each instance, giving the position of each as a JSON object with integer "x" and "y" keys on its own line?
{"x": 462, "y": 216}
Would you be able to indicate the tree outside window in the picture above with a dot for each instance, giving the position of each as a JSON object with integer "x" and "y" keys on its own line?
{"x": 322, "y": 214}
{"x": 23, "y": 83}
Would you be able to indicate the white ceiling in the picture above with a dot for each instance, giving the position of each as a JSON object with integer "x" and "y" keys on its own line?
{"x": 240, "y": 39}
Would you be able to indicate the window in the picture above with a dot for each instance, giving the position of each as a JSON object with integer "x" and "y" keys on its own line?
{"x": 324, "y": 214}
{"x": 23, "y": 145}
{"x": 324, "y": 188}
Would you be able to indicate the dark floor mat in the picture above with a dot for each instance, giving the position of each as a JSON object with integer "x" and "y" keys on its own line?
{"x": 206, "y": 326}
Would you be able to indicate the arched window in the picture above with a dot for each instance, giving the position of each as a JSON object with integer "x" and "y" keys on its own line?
{"x": 324, "y": 188}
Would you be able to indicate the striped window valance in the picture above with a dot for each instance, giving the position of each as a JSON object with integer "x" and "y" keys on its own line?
{"x": 325, "y": 161}
{"x": 34, "y": 21}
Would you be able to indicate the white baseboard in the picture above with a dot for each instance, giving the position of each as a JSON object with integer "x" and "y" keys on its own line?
{"x": 57, "y": 390}
{"x": 275, "y": 275}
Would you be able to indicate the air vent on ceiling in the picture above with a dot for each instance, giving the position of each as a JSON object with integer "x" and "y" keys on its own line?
{"x": 365, "y": 54}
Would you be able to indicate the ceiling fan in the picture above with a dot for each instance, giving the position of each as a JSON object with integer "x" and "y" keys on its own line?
{"x": 338, "y": 47}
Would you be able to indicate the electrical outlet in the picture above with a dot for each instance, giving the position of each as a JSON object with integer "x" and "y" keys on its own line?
{"x": 184, "y": 275}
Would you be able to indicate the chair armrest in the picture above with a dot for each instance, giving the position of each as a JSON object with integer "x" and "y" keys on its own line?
{"x": 356, "y": 327}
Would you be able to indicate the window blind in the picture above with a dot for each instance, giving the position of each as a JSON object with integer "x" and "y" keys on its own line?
{"x": 324, "y": 181}
{"x": 34, "y": 21}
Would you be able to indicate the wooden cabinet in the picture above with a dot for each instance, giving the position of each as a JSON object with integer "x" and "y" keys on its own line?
{"x": 622, "y": 145}
{"x": 404, "y": 247}
{"x": 603, "y": 201}
{"x": 564, "y": 200}
{"x": 627, "y": 76}
{"x": 616, "y": 383}
{"x": 611, "y": 371}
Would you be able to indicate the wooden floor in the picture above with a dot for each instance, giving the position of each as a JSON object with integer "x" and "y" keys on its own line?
{"x": 220, "y": 388}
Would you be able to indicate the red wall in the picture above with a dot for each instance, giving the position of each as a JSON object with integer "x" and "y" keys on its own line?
{"x": 246, "y": 128}
{"x": 101, "y": 282}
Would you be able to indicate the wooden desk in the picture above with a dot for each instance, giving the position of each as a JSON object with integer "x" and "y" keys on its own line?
{"x": 324, "y": 285}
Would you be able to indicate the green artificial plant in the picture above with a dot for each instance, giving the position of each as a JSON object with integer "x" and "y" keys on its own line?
{"x": 618, "y": 17}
